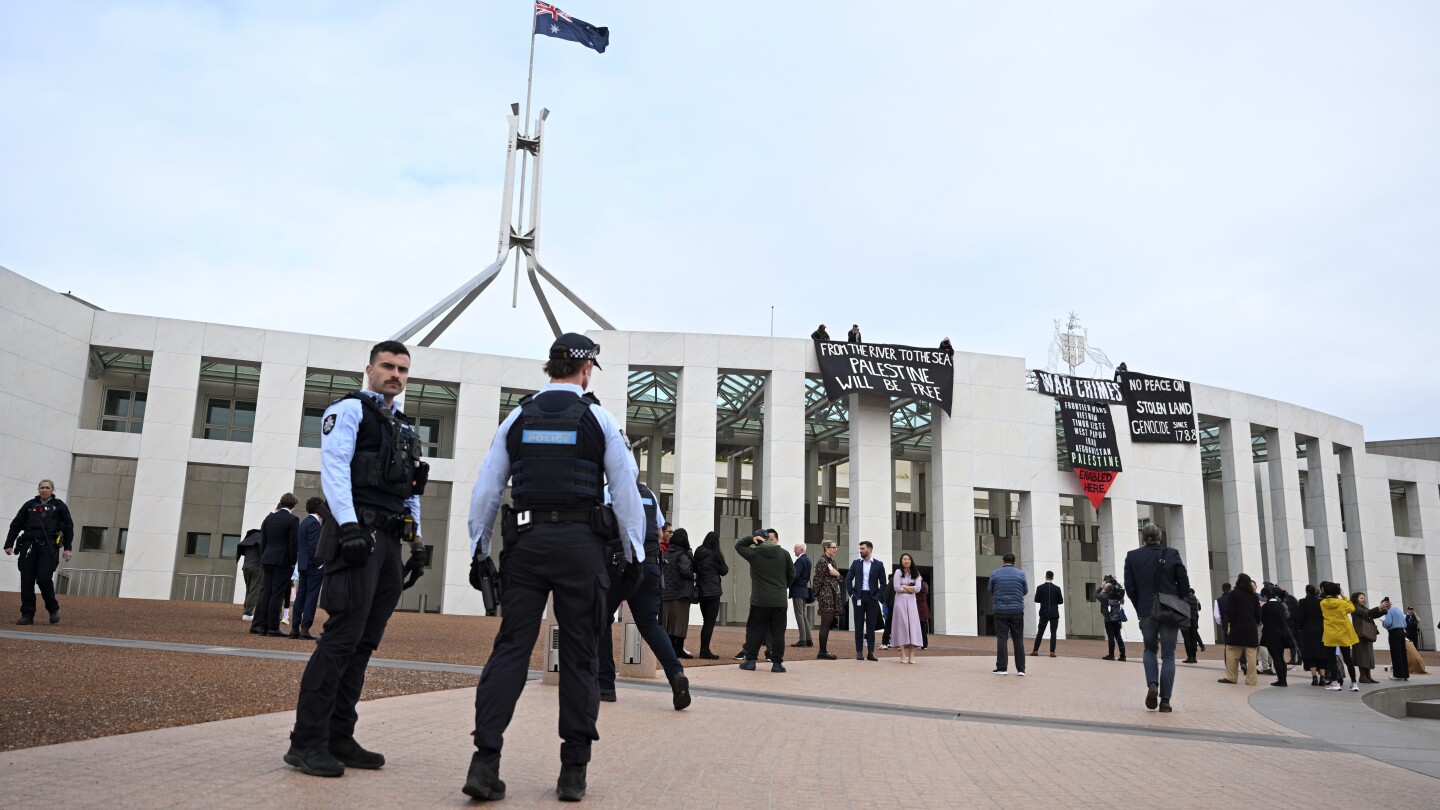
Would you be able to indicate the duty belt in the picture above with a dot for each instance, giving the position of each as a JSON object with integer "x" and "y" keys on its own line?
{"x": 393, "y": 525}
{"x": 534, "y": 517}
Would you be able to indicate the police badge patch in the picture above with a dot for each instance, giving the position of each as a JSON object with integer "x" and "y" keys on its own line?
{"x": 329, "y": 424}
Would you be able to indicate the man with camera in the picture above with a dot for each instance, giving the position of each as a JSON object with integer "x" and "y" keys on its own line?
{"x": 372, "y": 476}
{"x": 559, "y": 450}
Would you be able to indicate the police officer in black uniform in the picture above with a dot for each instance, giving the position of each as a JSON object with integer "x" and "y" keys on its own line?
{"x": 558, "y": 449}
{"x": 372, "y": 476}
{"x": 46, "y": 531}
{"x": 644, "y": 605}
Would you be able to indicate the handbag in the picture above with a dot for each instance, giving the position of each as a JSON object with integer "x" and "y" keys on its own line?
{"x": 1367, "y": 632}
{"x": 1168, "y": 609}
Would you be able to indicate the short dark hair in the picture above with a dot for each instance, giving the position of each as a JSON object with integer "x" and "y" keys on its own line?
{"x": 1330, "y": 589}
{"x": 1224, "y": 587}
{"x": 312, "y": 505}
{"x": 772, "y": 531}
{"x": 867, "y": 544}
{"x": 391, "y": 346}
{"x": 288, "y": 501}
{"x": 1009, "y": 558}
{"x": 1049, "y": 574}
{"x": 1150, "y": 533}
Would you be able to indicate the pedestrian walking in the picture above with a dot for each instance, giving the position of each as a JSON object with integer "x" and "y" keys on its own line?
{"x": 1150, "y": 572}
{"x": 1049, "y": 598}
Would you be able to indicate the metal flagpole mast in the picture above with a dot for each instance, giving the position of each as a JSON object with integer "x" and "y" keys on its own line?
{"x": 524, "y": 159}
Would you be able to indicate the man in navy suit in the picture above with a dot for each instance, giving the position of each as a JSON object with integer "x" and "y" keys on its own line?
{"x": 312, "y": 571}
{"x": 865, "y": 583}
{"x": 279, "y": 547}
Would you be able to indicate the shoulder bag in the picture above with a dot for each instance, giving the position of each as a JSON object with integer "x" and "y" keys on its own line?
{"x": 1168, "y": 610}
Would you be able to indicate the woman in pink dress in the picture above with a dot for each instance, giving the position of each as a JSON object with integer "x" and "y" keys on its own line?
{"x": 905, "y": 632}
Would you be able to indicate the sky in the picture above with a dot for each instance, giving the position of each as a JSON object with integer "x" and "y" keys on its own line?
{"x": 1243, "y": 195}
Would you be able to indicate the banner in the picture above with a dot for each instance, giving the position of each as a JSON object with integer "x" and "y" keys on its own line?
{"x": 1060, "y": 385}
{"x": 877, "y": 368}
{"x": 1160, "y": 408}
{"x": 1090, "y": 445}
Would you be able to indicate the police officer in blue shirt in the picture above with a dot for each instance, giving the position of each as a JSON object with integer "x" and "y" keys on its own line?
{"x": 558, "y": 449}
{"x": 645, "y": 609}
{"x": 372, "y": 476}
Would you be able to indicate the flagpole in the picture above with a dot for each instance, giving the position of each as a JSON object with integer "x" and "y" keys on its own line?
{"x": 524, "y": 160}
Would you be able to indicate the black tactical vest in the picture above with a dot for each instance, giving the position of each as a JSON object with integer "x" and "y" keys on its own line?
{"x": 651, "y": 505}
{"x": 387, "y": 458}
{"x": 42, "y": 521}
{"x": 557, "y": 453}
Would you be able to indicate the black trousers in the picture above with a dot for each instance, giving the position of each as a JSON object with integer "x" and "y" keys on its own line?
{"x": 1277, "y": 654}
{"x": 568, "y": 560}
{"x": 37, "y": 567}
{"x": 766, "y": 625}
{"x": 645, "y": 612}
{"x": 1399, "y": 663}
{"x": 867, "y": 615}
{"x": 359, "y": 601}
{"x": 274, "y": 590}
{"x": 1009, "y": 626}
{"x": 1040, "y": 632}
{"x": 1192, "y": 642}
{"x": 1112, "y": 637}
{"x": 709, "y": 610}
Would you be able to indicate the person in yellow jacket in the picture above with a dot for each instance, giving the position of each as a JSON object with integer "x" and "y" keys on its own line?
{"x": 1339, "y": 633}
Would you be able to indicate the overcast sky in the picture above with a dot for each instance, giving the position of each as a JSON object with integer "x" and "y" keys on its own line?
{"x": 1245, "y": 195}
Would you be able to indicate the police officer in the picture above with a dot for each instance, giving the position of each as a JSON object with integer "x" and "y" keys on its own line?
{"x": 558, "y": 449}
{"x": 44, "y": 527}
{"x": 372, "y": 476}
{"x": 645, "y": 608}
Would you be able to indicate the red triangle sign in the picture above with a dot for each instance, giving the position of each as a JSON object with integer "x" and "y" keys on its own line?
{"x": 1095, "y": 483}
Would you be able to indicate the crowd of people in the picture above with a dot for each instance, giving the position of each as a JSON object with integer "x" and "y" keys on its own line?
{"x": 1269, "y": 632}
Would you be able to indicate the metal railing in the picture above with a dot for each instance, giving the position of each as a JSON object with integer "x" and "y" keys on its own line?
{"x": 203, "y": 588}
{"x": 88, "y": 582}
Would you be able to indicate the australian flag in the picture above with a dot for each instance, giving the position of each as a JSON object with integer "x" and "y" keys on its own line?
{"x": 552, "y": 22}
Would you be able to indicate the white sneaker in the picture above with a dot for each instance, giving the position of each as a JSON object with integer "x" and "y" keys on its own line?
{"x": 1021, "y": 673}
{"x": 1334, "y": 687}
{"x": 247, "y": 618}
{"x": 1354, "y": 687}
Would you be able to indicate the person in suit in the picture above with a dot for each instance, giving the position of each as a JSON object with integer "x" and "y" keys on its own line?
{"x": 279, "y": 548}
{"x": 1146, "y": 568}
{"x": 865, "y": 583}
{"x": 800, "y": 596}
{"x": 1049, "y": 598}
{"x": 312, "y": 571}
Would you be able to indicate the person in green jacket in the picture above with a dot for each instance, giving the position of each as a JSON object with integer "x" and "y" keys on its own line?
{"x": 771, "y": 572}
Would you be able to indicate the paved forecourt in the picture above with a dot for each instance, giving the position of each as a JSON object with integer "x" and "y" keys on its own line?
{"x": 941, "y": 733}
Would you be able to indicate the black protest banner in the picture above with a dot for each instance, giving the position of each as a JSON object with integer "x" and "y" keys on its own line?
{"x": 1060, "y": 385}
{"x": 1090, "y": 445}
{"x": 877, "y": 368}
{"x": 1160, "y": 408}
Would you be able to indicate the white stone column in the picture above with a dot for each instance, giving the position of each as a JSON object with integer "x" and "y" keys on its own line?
{"x": 952, "y": 523}
{"x": 872, "y": 510}
{"x": 149, "y": 564}
{"x": 280, "y": 400}
{"x": 1041, "y": 549}
{"x": 1322, "y": 495}
{"x": 1119, "y": 521}
{"x": 694, "y": 500}
{"x": 477, "y": 418}
{"x": 812, "y": 480}
{"x": 1286, "y": 520}
{"x": 1370, "y": 532}
{"x": 1425, "y": 523}
{"x": 782, "y": 501}
{"x": 1186, "y": 531}
{"x": 1242, "y": 519}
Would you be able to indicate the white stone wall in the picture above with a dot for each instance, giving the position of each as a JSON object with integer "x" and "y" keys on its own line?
{"x": 1000, "y": 437}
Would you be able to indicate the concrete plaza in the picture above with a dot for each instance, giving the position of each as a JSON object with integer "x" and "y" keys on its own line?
{"x": 941, "y": 733}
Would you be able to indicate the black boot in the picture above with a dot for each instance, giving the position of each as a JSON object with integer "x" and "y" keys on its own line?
{"x": 314, "y": 761}
{"x": 483, "y": 780}
{"x": 570, "y": 787}
{"x": 352, "y": 755}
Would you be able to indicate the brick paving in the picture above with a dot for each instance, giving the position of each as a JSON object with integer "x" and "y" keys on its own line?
{"x": 740, "y": 751}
